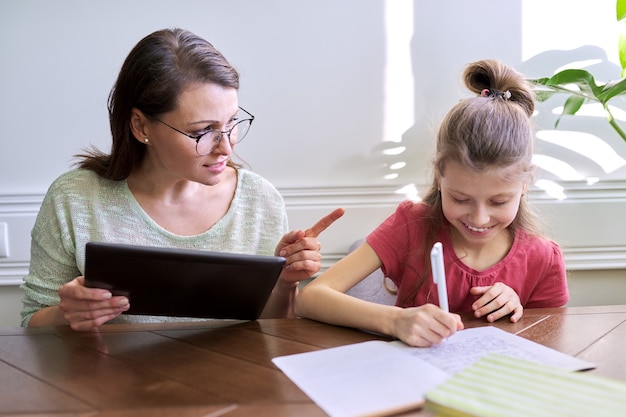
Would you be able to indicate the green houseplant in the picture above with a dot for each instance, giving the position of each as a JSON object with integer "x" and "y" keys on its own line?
{"x": 581, "y": 85}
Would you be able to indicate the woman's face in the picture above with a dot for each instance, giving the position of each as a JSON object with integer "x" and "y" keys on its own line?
{"x": 201, "y": 107}
{"x": 479, "y": 205}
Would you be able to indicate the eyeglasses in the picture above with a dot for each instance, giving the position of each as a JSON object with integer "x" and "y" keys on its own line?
{"x": 208, "y": 141}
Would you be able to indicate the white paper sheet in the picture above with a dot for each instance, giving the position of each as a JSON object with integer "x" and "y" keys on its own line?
{"x": 381, "y": 378}
{"x": 467, "y": 346}
{"x": 363, "y": 379}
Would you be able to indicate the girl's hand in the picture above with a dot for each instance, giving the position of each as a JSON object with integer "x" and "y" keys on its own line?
{"x": 87, "y": 308}
{"x": 425, "y": 325}
{"x": 497, "y": 301}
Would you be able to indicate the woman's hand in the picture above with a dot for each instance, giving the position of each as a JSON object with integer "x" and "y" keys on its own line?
{"x": 301, "y": 249}
{"x": 425, "y": 325}
{"x": 87, "y": 308}
{"x": 497, "y": 301}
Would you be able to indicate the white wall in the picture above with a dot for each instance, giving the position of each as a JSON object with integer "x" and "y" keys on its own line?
{"x": 331, "y": 82}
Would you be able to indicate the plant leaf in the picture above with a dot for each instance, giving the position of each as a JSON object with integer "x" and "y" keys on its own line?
{"x": 540, "y": 81}
{"x": 620, "y": 9}
{"x": 583, "y": 79}
{"x": 612, "y": 89}
{"x": 621, "y": 42}
{"x": 571, "y": 106}
{"x": 543, "y": 95}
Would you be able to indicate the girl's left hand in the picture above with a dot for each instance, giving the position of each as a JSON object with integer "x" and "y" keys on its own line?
{"x": 497, "y": 301}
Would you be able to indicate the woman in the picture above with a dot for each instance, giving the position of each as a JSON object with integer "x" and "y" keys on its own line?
{"x": 168, "y": 181}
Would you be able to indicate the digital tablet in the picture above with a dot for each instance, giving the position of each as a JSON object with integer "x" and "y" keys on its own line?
{"x": 183, "y": 282}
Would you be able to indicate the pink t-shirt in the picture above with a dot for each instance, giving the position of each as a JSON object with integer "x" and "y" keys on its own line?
{"x": 534, "y": 266}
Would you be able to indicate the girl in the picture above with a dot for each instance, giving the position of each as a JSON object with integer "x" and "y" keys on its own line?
{"x": 497, "y": 263}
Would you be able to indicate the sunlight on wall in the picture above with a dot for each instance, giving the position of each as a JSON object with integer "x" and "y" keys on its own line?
{"x": 410, "y": 192}
{"x": 399, "y": 105}
{"x": 587, "y": 145}
{"x": 398, "y": 83}
{"x": 561, "y": 169}
{"x": 551, "y": 188}
{"x": 558, "y": 25}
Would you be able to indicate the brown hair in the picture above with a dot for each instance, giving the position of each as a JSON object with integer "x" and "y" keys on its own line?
{"x": 151, "y": 79}
{"x": 490, "y": 130}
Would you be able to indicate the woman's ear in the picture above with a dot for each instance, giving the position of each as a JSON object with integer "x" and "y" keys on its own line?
{"x": 139, "y": 125}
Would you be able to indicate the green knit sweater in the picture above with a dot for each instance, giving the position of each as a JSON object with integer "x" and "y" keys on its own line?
{"x": 80, "y": 207}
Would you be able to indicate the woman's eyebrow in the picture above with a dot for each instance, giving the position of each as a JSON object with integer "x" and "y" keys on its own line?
{"x": 210, "y": 122}
{"x": 203, "y": 122}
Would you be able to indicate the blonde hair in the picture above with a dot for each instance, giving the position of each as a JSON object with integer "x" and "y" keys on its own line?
{"x": 490, "y": 130}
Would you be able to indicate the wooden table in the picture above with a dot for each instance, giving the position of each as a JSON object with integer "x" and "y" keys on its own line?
{"x": 224, "y": 368}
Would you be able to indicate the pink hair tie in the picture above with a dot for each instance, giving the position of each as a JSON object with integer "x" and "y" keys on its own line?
{"x": 488, "y": 92}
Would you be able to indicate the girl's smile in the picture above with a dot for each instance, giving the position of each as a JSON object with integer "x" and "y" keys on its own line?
{"x": 479, "y": 230}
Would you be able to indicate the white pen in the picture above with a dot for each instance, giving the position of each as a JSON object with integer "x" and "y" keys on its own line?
{"x": 439, "y": 275}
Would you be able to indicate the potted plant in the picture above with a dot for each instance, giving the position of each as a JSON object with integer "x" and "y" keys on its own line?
{"x": 581, "y": 85}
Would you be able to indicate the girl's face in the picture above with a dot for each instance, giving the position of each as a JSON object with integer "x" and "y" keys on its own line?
{"x": 200, "y": 108}
{"x": 479, "y": 205}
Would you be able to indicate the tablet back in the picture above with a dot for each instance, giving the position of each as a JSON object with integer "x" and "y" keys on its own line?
{"x": 183, "y": 282}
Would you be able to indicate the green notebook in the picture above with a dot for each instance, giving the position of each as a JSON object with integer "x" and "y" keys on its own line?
{"x": 502, "y": 386}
